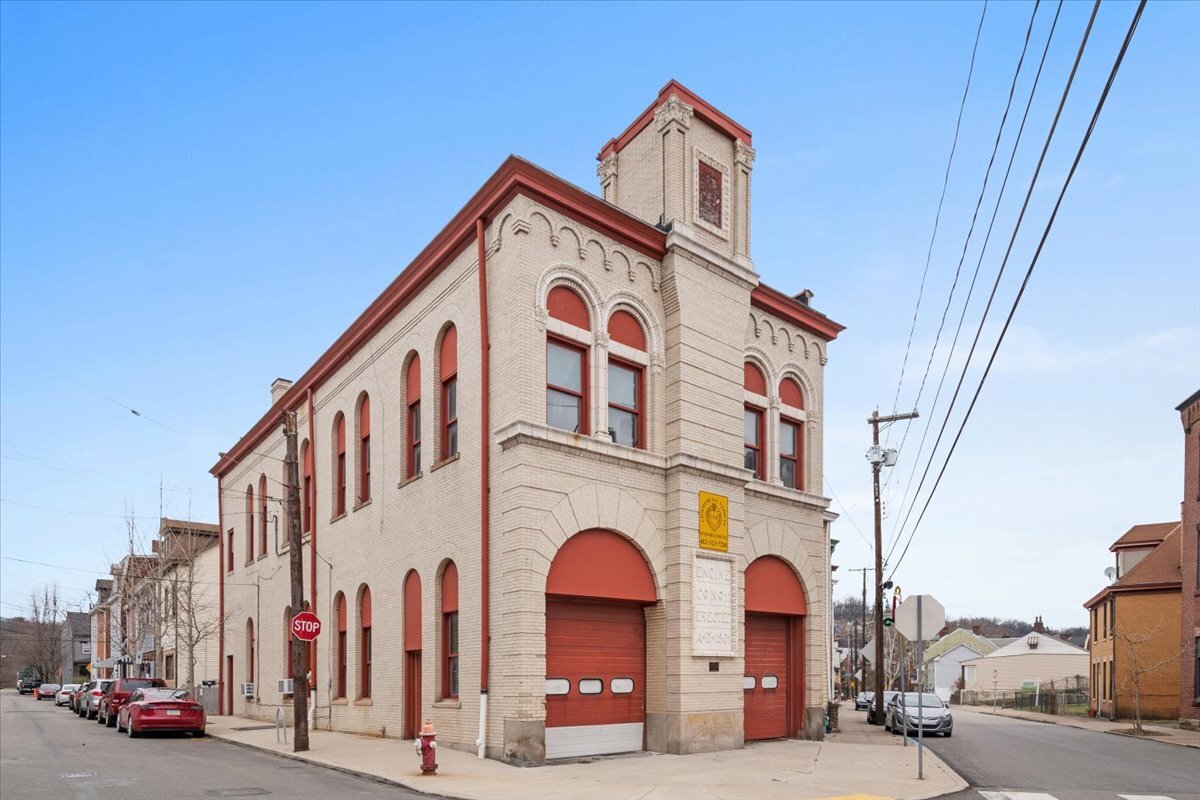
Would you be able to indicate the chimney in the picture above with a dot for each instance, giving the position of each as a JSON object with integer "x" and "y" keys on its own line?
{"x": 279, "y": 388}
{"x": 1038, "y": 626}
{"x": 804, "y": 298}
{"x": 975, "y": 630}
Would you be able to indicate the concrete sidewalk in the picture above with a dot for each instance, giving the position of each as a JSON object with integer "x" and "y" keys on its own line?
{"x": 795, "y": 770}
{"x": 1160, "y": 733}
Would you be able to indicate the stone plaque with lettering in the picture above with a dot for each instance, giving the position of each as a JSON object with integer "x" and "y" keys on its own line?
{"x": 713, "y": 627}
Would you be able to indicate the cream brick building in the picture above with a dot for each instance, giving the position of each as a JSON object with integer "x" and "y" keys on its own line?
{"x": 562, "y": 479}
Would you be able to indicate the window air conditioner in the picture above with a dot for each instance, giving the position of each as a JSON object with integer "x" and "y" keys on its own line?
{"x": 285, "y": 685}
{"x": 247, "y": 690}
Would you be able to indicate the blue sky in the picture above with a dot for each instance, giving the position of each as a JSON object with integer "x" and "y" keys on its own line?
{"x": 198, "y": 198}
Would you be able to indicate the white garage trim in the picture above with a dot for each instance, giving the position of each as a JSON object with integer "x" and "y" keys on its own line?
{"x": 591, "y": 740}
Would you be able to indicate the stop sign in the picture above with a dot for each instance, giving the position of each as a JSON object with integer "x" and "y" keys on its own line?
{"x": 306, "y": 626}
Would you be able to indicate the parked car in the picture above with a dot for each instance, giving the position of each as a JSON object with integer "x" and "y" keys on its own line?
{"x": 64, "y": 694}
{"x": 919, "y": 709}
{"x": 156, "y": 709}
{"x": 117, "y": 693}
{"x": 46, "y": 691}
{"x": 863, "y": 701}
{"x": 73, "y": 702}
{"x": 28, "y": 685}
{"x": 888, "y": 697}
{"x": 88, "y": 705}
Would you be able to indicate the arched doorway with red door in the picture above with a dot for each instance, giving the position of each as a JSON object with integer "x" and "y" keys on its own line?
{"x": 596, "y": 593}
{"x": 774, "y": 684}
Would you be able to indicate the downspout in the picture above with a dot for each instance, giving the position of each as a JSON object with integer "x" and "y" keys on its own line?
{"x": 312, "y": 667}
{"x": 485, "y": 487}
{"x": 221, "y": 602}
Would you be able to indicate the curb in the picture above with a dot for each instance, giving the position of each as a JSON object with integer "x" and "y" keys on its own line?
{"x": 1168, "y": 739}
{"x": 370, "y": 776}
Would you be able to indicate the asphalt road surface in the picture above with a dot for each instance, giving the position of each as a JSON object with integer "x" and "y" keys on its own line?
{"x": 1011, "y": 759}
{"x": 48, "y": 752}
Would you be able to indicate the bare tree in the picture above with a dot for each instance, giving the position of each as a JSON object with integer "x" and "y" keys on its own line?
{"x": 1137, "y": 665}
{"x": 190, "y": 603}
{"x": 42, "y": 637}
{"x": 140, "y": 623}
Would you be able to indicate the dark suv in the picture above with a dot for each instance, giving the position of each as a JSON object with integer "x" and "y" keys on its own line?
{"x": 27, "y": 685}
{"x": 117, "y": 693}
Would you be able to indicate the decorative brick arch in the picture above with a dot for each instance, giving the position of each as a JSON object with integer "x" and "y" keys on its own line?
{"x": 771, "y": 537}
{"x": 757, "y": 356}
{"x": 608, "y": 508}
{"x": 812, "y": 400}
{"x": 580, "y": 282}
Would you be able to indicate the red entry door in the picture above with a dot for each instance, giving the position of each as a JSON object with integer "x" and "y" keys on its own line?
{"x": 766, "y": 677}
{"x": 595, "y": 678}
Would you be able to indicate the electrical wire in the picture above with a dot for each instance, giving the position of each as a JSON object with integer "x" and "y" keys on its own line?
{"x": 1041, "y": 242}
{"x": 893, "y": 538}
{"x": 938, "y": 216}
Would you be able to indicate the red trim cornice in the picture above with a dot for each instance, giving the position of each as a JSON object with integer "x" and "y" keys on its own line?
{"x": 775, "y": 302}
{"x": 700, "y": 108}
{"x": 1139, "y": 588}
{"x": 515, "y": 176}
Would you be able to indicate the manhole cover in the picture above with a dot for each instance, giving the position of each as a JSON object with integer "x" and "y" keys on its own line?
{"x": 76, "y": 775}
{"x": 248, "y": 792}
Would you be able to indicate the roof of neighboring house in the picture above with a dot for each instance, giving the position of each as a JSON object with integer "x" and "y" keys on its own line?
{"x": 1191, "y": 399}
{"x": 1160, "y": 569}
{"x": 957, "y": 637}
{"x": 1143, "y": 535}
{"x": 1001, "y": 641}
{"x": 79, "y": 623}
{"x": 187, "y": 526}
{"x": 1046, "y": 644}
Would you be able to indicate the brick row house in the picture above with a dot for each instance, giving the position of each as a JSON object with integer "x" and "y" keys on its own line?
{"x": 560, "y": 482}
{"x": 1189, "y": 629}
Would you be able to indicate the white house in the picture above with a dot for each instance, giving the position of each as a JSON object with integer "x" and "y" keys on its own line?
{"x": 1035, "y": 657}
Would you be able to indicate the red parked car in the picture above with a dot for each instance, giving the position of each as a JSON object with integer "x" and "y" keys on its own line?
{"x": 46, "y": 691}
{"x": 118, "y": 692}
{"x": 160, "y": 710}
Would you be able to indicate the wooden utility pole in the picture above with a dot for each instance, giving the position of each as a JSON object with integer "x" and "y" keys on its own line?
{"x": 859, "y": 644}
{"x": 876, "y": 457}
{"x": 299, "y": 649}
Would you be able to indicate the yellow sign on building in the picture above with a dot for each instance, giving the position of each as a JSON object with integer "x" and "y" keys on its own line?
{"x": 714, "y": 522}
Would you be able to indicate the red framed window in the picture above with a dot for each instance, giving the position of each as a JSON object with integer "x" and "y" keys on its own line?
{"x": 790, "y": 468}
{"x": 625, "y": 390}
{"x": 413, "y": 398}
{"x": 339, "y": 497}
{"x": 307, "y": 498}
{"x": 287, "y": 641}
{"x": 364, "y": 638}
{"x": 710, "y": 194}
{"x": 250, "y": 651}
{"x": 753, "y": 441}
{"x": 249, "y": 523}
{"x": 566, "y": 385}
{"x": 340, "y": 686}
{"x": 450, "y": 631}
{"x": 448, "y": 363}
{"x": 229, "y": 551}
{"x": 262, "y": 515}
{"x": 364, "y": 450}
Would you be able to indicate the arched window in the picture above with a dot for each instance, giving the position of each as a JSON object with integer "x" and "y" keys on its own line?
{"x": 450, "y": 631}
{"x": 229, "y": 550}
{"x": 412, "y": 382}
{"x": 339, "y": 449}
{"x": 448, "y": 367}
{"x": 262, "y": 515}
{"x": 791, "y": 434}
{"x": 250, "y": 651}
{"x": 307, "y": 498}
{"x": 754, "y": 437}
{"x": 364, "y": 449}
{"x": 567, "y": 363}
{"x": 287, "y": 641}
{"x": 364, "y": 642}
{"x": 249, "y": 523}
{"x": 340, "y": 609}
{"x": 626, "y": 382}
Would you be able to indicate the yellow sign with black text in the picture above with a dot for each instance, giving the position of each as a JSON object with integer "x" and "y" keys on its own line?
{"x": 714, "y": 522}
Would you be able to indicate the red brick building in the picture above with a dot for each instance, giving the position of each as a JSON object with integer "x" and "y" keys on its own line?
{"x": 1189, "y": 672}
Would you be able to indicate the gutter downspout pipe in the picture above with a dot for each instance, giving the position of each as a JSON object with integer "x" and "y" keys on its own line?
{"x": 485, "y": 487}
{"x": 221, "y": 677}
{"x": 312, "y": 650}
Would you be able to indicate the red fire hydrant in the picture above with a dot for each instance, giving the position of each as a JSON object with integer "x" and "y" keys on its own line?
{"x": 426, "y": 745}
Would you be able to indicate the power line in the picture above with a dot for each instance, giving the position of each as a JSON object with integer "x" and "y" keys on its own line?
{"x": 1042, "y": 241}
{"x": 849, "y": 518}
{"x": 894, "y": 537}
{"x": 938, "y": 216}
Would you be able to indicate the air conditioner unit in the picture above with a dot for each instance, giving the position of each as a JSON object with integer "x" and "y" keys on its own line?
{"x": 247, "y": 690}
{"x": 285, "y": 686}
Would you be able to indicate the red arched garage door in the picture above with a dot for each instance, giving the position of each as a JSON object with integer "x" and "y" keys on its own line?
{"x": 596, "y": 646}
{"x": 774, "y": 673}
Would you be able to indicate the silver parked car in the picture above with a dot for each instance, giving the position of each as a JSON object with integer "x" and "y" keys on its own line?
{"x": 912, "y": 709}
{"x": 89, "y": 701}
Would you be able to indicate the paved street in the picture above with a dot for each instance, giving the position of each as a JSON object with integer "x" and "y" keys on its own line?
{"x": 47, "y": 752}
{"x": 1001, "y": 757}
